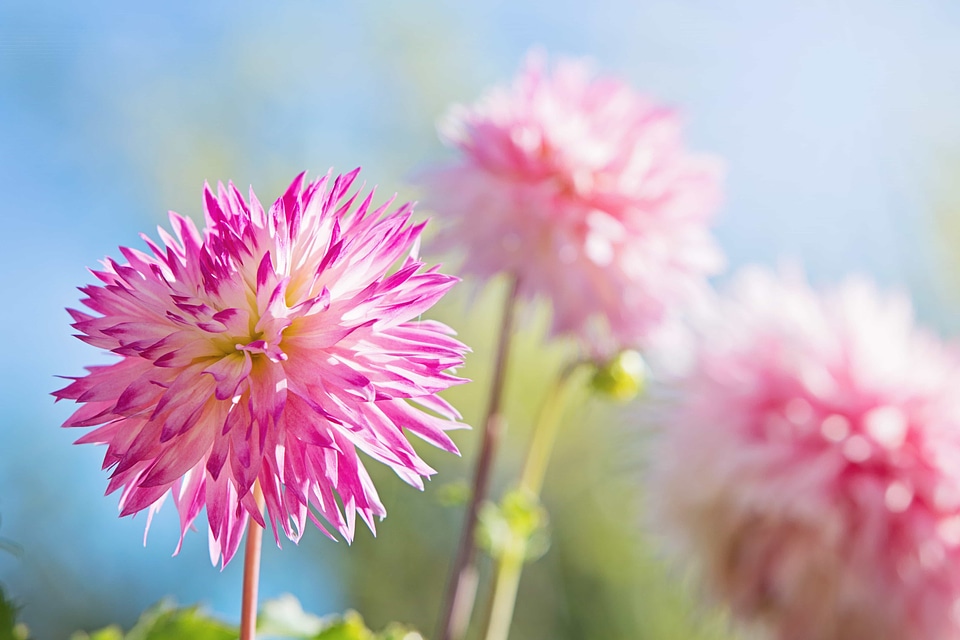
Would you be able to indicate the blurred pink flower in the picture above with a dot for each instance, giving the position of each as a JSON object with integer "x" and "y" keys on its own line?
{"x": 811, "y": 464}
{"x": 268, "y": 349}
{"x": 582, "y": 189}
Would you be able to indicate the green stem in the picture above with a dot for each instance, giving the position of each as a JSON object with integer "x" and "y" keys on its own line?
{"x": 510, "y": 563}
{"x": 505, "y": 586}
{"x": 545, "y": 431}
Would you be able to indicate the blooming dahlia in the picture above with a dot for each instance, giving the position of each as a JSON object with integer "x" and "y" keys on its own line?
{"x": 266, "y": 351}
{"x": 582, "y": 190}
{"x": 811, "y": 465}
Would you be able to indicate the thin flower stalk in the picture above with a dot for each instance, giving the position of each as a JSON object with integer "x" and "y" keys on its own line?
{"x": 251, "y": 574}
{"x": 510, "y": 560}
{"x": 461, "y": 594}
{"x": 545, "y": 430}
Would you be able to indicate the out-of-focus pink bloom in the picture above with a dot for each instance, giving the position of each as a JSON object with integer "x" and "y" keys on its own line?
{"x": 267, "y": 349}
{"x": 811, "y": 465}
{"x": 582, "y": 189}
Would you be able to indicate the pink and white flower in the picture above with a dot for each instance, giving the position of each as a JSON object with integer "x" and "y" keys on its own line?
{"x": 262, "y": 354}
{"x": 582, "y": 190}
{"x": 810, "y": 466}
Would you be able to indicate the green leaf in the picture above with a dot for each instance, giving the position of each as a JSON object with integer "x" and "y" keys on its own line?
{"x": 285, "y": 617}
{"x": 164, "y": 621}
{"x": 112, "y": 632}
{"x": 399, "y": 632}
{"x": 10, "y": 629}
{"x": 349, "y": 627}
{"x": 8, "y": 616}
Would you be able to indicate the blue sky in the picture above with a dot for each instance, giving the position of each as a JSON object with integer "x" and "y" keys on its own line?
{"x": 838, "y": 122}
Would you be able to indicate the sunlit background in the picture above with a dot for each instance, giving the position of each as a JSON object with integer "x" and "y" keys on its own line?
{"x": 839, "y": 122}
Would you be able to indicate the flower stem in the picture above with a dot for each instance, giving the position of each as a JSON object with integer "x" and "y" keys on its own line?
{"x": 462, "y": 589}
{"x": 506, "y": 583}
{"x": 510, "y": 562}
{"x": 545, "y": 431}
{"x": 251, "y": 572}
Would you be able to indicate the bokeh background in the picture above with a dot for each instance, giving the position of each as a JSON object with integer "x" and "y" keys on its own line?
{"x": 839, "y": 121}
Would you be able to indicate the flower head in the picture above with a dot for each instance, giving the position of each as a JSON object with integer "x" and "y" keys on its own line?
{"x": 581, "y": 189}
{"x": 266, "y": 351}
{"x": 811, "y": 464}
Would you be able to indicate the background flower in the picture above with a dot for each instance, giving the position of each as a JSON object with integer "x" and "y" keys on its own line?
{"x": 581, "y": 189}
{"x": 267, "y": 349}
{"x": 811, "y": 465}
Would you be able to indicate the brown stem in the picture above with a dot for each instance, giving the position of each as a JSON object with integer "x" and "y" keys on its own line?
{"x": 462, "y": 588}
{"x": 251, "y": 573}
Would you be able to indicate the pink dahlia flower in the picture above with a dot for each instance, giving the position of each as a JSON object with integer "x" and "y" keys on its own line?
{"x": 811, "y": 464}
{"x": 581, "y": 189}
{"x": 267, "y": 350}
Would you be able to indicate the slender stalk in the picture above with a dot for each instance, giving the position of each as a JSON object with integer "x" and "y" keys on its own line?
{"x": 251, "y": 573}
{"x": 505, "y": 586}
{"x": 462, "y": 588}
{"x": 545, "y": 431}
{"x": 510, "y": 563}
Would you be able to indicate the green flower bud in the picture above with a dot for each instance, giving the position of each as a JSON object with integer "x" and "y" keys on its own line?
{"x": 622, "y": 377}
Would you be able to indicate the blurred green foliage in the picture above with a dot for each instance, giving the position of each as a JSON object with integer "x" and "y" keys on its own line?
{"x": 279, "y": 618}
{"x": 10, "y": 629}
{"x": 165, "y": 621}
{"x": 285, "y": 618}
{"x": 519, "y": 519}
